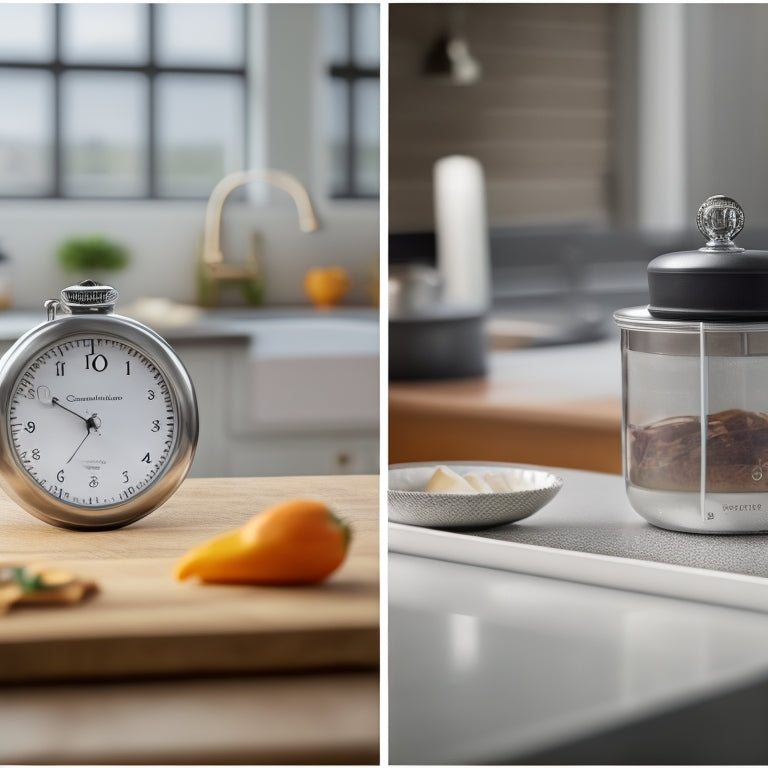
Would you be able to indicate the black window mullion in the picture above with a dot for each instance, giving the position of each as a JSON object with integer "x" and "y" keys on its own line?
{"x": 57, "y": 67}
{"x": 351, "y": 175}
{"x": 350, "y": 73}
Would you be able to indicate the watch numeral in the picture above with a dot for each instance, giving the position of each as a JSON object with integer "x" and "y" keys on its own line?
{"x": 127, "y": 367}
{"x": 60, "y": 476}
{"x": 125, "y": 477}
{"x": 29, "y": 427}
{"x": 60, "y": 367}
{"x": 150, "y": 394}
{"x": 94, "y": 482}
{"x": 36, "y": 454}
{"x": 156, "y": 425}
{"x": 146, "y": 458}
{"x": 98, "y": 364}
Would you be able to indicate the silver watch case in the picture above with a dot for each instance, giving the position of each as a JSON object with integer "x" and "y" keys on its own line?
{"x": 27, "y": 493}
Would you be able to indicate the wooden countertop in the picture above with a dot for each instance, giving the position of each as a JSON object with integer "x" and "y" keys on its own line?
{"x": 553, "y": 406}
{"x": 189, "y": 672}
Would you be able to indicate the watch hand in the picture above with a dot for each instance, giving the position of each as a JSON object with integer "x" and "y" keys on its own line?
{"x": 55, "y": 401}
{"x": 87, "y": 434}
{"x": 91, "y": 423}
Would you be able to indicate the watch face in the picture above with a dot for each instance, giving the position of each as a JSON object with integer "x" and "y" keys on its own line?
{"x": 92, "y": 420}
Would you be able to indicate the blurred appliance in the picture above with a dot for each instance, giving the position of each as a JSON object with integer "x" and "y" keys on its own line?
{"x": 429, "y": 338}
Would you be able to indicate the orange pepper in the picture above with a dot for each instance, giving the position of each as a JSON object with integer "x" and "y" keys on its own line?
{"x": 299, "y": 541}
{"x": 325, "y": 286}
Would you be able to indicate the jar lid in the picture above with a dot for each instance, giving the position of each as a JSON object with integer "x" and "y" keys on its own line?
{"x": 719, "y": 281}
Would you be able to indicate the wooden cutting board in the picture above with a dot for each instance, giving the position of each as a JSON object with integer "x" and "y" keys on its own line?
{"x": 144, "y": 623}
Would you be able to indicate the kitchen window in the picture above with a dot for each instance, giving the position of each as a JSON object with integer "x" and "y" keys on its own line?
{"x": 121, "y": 100}
{"x": 352, "y": 50}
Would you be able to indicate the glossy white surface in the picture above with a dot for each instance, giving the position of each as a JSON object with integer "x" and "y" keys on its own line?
{"x": 487, "y": 665}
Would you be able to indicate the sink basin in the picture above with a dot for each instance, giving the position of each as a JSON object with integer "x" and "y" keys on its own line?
{"x": 315, "y": 337}
{"x": 309, "y": 370}
{"x": 509, "y": 329}
{"x": 304, "y": 332}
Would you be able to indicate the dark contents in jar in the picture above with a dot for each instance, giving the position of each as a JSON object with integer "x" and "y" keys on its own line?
{"x": 666, "y": 455}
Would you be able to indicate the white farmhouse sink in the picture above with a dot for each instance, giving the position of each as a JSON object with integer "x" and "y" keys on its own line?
{"x": 311, "y": 372}
{"x": 314, "y": 337}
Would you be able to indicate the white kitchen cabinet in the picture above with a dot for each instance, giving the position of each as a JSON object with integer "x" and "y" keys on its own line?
{"x": 211, "y": 364}
{"x": 296, "y": 454}
{"x": 235, "y": 442}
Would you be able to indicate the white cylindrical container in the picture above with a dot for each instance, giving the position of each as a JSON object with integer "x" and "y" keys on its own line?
{"x": 462, "y": 232}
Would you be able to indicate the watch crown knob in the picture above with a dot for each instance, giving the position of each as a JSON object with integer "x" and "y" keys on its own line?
{"x": 720, "y": 219}
{"x": 89, "y": 296}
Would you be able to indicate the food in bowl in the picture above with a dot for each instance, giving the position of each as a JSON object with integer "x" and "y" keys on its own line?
{"x": 447, "y": 480}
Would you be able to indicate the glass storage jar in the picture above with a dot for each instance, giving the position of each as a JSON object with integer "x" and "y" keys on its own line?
{"x": 695, "y": 385}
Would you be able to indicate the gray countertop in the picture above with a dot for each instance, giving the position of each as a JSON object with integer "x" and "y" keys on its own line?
{"x": 583, "y": 619}
{"x": 580, "y": 520}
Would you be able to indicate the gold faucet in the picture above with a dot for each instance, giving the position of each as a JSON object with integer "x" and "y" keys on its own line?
{"x": 213, "y": 271}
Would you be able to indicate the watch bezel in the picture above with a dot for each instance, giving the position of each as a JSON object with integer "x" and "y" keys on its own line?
{"x": 21, "y": 487}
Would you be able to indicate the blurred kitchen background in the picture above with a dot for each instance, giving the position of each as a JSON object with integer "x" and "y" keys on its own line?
{"x": 117, "y": 123}
{"x": 599, "y": 129}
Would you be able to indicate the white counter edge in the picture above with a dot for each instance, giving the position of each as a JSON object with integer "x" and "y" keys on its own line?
{"x": 708, "y": 586}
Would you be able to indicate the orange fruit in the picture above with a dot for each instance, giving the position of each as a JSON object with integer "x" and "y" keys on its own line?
{"x": 299, "y": 541}
{"x": 325, "y": 286}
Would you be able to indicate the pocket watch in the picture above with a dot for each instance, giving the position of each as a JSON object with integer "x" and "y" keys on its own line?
{"x": 99, "y": 415}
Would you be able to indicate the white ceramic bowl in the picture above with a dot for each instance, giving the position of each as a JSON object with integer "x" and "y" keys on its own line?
{"x": 409, "y": 503}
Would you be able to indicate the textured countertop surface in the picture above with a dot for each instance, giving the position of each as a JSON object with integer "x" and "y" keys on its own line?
{"x": 592, "y": 515}
{"x": 511, "y": 641}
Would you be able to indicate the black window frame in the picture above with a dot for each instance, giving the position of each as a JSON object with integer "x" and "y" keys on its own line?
{"x": 151, "y": 70}
{"x": 349, "y": 72}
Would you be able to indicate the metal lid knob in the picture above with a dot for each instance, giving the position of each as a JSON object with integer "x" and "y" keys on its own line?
{"x": 720, "y": 219}
{"x": 717, "y": 282}
{"x": 89, "y": 296}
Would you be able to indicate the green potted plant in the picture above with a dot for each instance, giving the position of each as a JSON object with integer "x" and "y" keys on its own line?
{"x": 89, "y": 256}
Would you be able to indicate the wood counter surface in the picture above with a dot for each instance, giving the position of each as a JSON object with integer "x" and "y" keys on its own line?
{"x": 517, "y": 413}
{"x": 154, "y": 671}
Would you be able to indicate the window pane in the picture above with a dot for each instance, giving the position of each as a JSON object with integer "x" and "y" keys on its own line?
{"x": 104, "y": 118}
{"x": 200, "y": 35}
{"x": 367, "y": 135}
{"x": 112, "y": 33}
{"x": 200, "y": 132}
{"x": 26, "y": 32}
{"x": 26, "y": 125}
{"x": 366, "y": 31}
{"x": 335, "y": 21}
{"x": 337, "y": 135}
